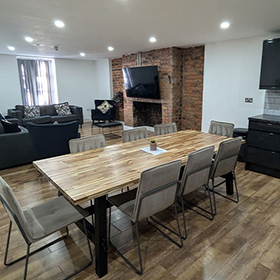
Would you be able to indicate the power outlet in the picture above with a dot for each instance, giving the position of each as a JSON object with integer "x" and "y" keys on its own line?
{"x": 248, "y": 100}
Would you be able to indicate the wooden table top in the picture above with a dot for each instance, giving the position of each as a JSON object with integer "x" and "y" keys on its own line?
{"x": 91, "y": 174}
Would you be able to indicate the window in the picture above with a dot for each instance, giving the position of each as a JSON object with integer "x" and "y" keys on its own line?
{"x": 37, "y": 81}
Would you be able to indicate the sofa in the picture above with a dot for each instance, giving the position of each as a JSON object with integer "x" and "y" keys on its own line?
{"x": 97, "y": 115}
{"x": 50, "y": 140}
{"x": 48, "y": 114}
{"x": 15, "y": 148}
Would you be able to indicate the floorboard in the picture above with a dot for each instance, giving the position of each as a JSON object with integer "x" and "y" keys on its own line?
{"x": 242, "y": 242}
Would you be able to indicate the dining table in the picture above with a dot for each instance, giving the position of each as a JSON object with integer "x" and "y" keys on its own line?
{"x": 93, "y": 174}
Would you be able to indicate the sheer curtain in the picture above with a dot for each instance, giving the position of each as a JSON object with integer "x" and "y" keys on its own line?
{"x": 37, "y": 81}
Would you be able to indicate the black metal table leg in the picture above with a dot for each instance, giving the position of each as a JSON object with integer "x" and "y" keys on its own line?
{"x": 229, "y": 183}
{"x": 101, "y": 258}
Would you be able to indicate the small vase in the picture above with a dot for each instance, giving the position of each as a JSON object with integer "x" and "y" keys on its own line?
{"x": 153, "y": 146}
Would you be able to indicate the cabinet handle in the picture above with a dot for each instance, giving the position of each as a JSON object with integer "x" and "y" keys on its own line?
{"x": 269, "y": 124}
{"x": 271, "y": 134}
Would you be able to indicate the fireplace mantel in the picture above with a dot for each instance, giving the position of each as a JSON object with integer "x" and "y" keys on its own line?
{"x": 146, "y": 100}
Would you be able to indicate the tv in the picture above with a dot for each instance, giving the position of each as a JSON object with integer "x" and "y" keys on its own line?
{"x": 270, "y": 69}
{"x": 142, "y": 82}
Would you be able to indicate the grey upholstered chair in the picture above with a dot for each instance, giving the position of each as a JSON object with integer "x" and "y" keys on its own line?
{"x": 87, "y": 143}
{"x": 134, "y": 134}
{"x": 165, "y": 128}
{"x": 157, "y": 190}
{"x": 221, "y": 128}
{"x": 40, "y": 221}
{"x": 224, "y": 164}
{"x": 195, "y": 175}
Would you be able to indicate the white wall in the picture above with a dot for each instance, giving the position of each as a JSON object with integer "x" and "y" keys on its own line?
{"x": 231, "y": 73}
{"x": 9, "y": 83}
{"x": 80, "y": 82}
{"x": 103, "y": 78}
{"x": 76, "y": 83}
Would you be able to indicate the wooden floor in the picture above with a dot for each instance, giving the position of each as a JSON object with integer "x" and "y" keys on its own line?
{"x": 242, "y": 242}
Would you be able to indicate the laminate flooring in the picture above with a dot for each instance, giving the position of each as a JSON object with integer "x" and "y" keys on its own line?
{"x": 242, "y": 242}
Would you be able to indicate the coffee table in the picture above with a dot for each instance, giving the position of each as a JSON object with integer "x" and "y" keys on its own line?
{"x": 103, "y": 125}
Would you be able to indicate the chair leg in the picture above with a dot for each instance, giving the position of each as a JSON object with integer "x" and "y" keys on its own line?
{"x": 26, "y": 261}
{"x": 7, "y": 245}
{"x": 28, "y": 254}
{"x": 214, "y": 199}
{"x": 180, "y": 245}
{"x": 184, "y": 219}
{"x": 229, "y": 198}
{"x": 211, "y": 213}
{"x": 139, "y": 253}
{"x": 90, "y": 253}
{"x": 92, "y": 214}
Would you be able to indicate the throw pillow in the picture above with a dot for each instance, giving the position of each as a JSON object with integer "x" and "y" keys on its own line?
{"x": 62, "y": 109}
{"x": 31, "y": 112}
{"x": 2, "y": 118}
{"x": 10, "y": 127}
{"x": 104, "y": 107}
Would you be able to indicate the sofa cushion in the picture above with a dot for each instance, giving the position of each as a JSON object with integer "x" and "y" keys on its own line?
{"x": 62, "y": 109}
{"x": 10, "y": 127}
{"x": 50, "y": 110}
{"x": 31, "y": 112}
{"x": 2, "y": 130}
{"x": 66, "y": 118}
{"x": 39, "y": 120}
{"x": 20, "y": 108}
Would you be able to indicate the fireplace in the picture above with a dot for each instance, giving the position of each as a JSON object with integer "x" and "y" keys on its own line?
{"x": 147, "y": 114}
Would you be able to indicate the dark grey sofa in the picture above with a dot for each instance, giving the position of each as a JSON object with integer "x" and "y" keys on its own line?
{"x": 47, "y": 115}
{"x": 15, "y": 148}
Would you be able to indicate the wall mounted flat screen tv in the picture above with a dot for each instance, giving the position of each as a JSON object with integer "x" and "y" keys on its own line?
{"x": 142, "y": 82}
{"x": 270, "y": 69}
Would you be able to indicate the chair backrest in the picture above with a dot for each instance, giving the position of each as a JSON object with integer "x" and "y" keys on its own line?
{"x": 197, "y": 170}
{"x": 226, "y": 158}
{"x": 13, "y": 209}
{"x": 157, "y": 190}
{"x": 50, "y": 140}
{"x": 87, "y": 143}
{"x": 165, "y": 128}
{"x": 221, "y": 128}
{"x": 134, "y": 134}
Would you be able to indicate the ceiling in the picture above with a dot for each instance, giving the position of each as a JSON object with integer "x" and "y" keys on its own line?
{"x": 93, "y": 25}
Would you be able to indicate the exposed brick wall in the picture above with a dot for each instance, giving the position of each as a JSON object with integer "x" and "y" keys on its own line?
{"x": 180, "y": 80}
{"x": 193, "y": 70}
{"x": 117, "y": 80}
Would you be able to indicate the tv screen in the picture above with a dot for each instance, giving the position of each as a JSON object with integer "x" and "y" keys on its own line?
{"x": 142, "y": 82}
{"x": 270, "y": 69}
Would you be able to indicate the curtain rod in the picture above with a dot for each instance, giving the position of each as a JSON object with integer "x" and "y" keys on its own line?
{"x": 34, "y": 58}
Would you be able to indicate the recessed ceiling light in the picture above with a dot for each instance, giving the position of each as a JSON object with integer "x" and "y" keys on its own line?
{"x": 225, "y": 25}
{"x": 59, "y": 23}
{"x": 82, "y": 54}
{"x": 153, "y": 39}
{"x": 110, "y": 48}
{"x": 11, "y": 48}
{"x": 28, "y": 39}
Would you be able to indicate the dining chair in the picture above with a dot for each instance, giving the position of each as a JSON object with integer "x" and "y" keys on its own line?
{"x": 165, "y": 128}
{"x": 134, "y": 134}
{"x": 224, "y": 164}
{"x": 196, "y": 175}
{"x": 157, "y": 190}
{"x": 87, "y": 143}
{"x": 39, "y": 222}
{"x": 221, "y": 128}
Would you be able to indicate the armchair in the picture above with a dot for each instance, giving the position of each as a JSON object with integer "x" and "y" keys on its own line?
{"x": 97, "y": 115}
